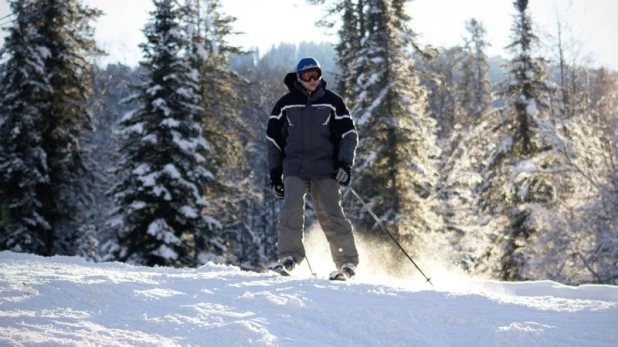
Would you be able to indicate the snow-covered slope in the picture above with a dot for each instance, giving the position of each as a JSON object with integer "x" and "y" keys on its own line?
{"x": 68, "y": 301}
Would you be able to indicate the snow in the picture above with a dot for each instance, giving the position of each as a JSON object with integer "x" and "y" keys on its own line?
{"x": 188, "y": 212}
{"x": 136, "y": 128}
{"x": 172, "y": 171}
{"x": 128, "y": 115}
{"x": 141, "y": 170}
{"x": 162, "y": 191}
{"x": 161, "y": 230}
{"x": 44, "y": 52}
{"x": 212, "y": 222}
{"x": 190, "y": 144}
{"x": 174, "y": 33}
{"x": 154, "y": 89}
{"x": 138, "y": 205}
{"x": 190, "y": 27}
{"x": 165, "y": 252}
{"x": 202, "y": 52}
{"x": 186, "y": 92}
{"x": 375, "y": 103}
{"x": 58, "y": 300}
{"x": 150, "y": 138}
{"x": 161, "y": 104}
{"x": 523, "y": 170}
{"x": 148, "y": 180}
{"x": 531, "y": 109}
{"x": 170, "y": 123}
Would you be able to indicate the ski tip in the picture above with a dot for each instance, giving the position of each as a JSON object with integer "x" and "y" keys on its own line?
{"x": 337, "y": 276}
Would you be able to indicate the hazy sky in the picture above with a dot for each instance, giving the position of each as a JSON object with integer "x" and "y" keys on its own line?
{"x": 439, "y": 22}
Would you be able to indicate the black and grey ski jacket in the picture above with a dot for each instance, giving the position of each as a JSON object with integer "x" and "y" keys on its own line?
{"x": 308, "y": 134}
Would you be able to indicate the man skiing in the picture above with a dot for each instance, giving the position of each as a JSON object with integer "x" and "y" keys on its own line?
{"x": 311, "y": 143}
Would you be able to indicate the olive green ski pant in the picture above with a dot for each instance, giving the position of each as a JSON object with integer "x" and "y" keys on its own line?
{"x": 326, "y": 197}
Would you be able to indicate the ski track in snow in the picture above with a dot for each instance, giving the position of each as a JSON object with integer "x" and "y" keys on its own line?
{"x": 68, "y": 301}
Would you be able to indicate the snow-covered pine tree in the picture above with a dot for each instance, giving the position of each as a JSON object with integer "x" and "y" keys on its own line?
{"x": 263, "y": 91}
{"x": 64, "y": 38}
{"x": 476, "y": 71}
{"x": 210, "y": 31}
{"x": 465, "y": 96}
{"x": 24, "y": 91}
{"x": 572, "y": 67}
{"x": 350, "y": 36}
{"x": 594, "y": 135}
{"x": 110, "y": 85}
{"x": 397, "y": 153}
{"x": 441, "y": 77}
{"x": 233, "y": 197}
{"x": 69, "y": 39}
{"x": 520, "y": 172}
{"x": 603, "y": 257}
{"x": 163, "y": 173}
{"x": 352, "y": 15}
{"x": 462, "y": 159}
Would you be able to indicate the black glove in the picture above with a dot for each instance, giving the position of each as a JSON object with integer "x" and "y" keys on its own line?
{"x": 343, "y": 173}
{"x": 278, "y": 191}
{"x": 276, "y": 183}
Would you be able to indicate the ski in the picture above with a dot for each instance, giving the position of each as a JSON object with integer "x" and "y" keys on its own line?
{"x": 333, "y": 276}
{"x": 280, "y": 270}
{"x": 340, "y": 276}
{"x": 337, "y": 276}
{"x": 348, "y": 271}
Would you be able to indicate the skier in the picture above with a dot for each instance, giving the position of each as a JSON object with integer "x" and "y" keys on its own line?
{"x": 311, "y": 143}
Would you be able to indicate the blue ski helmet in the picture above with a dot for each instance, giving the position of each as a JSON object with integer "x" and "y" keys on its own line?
{"x": 306, "y": 64}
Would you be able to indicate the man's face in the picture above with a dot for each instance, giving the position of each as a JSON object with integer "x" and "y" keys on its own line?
{"x": 310, "y": 79}
{"x": 311, "y": 85}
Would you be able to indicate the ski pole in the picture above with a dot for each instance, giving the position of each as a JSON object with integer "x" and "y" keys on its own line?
{"x": 386, "y": 231}
{"x": 308, "y": 264}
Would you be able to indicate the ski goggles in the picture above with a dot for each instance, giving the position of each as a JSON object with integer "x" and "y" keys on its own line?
{"x": 310, "y": 75}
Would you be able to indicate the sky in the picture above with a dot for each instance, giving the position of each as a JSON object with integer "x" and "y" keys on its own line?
{"x": 67, "y": 301}
{"x": 439, "y": 22}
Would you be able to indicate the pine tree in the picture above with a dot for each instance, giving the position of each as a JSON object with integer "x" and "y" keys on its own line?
{"x": 111, "y": 85}
{"x": 476, "y": 71}
{"x": 441, "y": 77}
{"x": 350, "y": 35}
{"x": 70, "y": 40}
{"x": 396, "y": 164}
{"x": 519, "y": 177}
{"x": 602, "y": 260}
{"x": 211, "y": 30}
{"x": 24, "y": 89}
{"x": 595, "y": 198}
{"x": 572, "y": 68}
{"x": 469, "y": 104}
{"x": 263, "y": 91}
{"x": 234, "y": 195}
{"x": 159, "y": 216}
{"x": 62, "y": 38}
